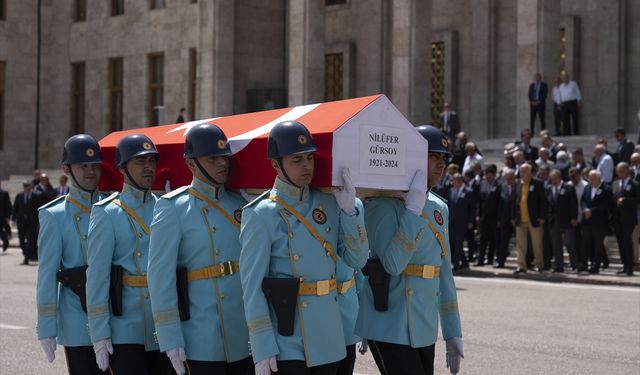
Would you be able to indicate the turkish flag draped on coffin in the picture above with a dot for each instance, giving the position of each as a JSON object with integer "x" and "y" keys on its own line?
{"x": 368, "y": 135}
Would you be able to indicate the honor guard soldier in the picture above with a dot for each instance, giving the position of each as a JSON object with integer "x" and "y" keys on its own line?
{"x": 117, "y": 295}
{"x": 291, "y": 239}
{"x": 410, "y": 282}
{"x": 60, "y": 293}
{"x": 194, "y": 242}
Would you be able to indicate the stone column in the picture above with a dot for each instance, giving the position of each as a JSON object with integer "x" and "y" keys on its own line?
{"x": 411, "y": 58}
{"x": 480, "y": 121}
{"x": 306, "y": 51}
{"x": 538, "y": 50}
{"x": 223, "y": 52}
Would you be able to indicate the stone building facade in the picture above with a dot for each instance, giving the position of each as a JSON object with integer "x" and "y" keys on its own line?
{"x": 105, "y": 64}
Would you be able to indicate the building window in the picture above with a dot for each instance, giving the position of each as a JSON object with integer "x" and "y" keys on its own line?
{"x": 77, "y": 98}
{"x": 156, "y": 86}
{"x": 156, "y": 4}
{"x": 437, "y": 80}
{"x": 193, "y": 72}
{"x": 3, "y": 10}
{"x": 2, "y": 80}
{"x": 117, "y": 7}
{"x": 333, "y": 76}
{"x": 80, "y": 11}
{"x": 116, "y": 89}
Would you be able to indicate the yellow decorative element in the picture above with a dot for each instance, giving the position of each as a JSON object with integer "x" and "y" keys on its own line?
{"x": 401, "y": 241}
{"x": 362, "y": 235}
{"x": 437, "y": 234}
{"x": 325, "y": 244}
{"x": 219, "y": 270}
{"x": 164, "y": 317}
{"x": 133, "y": 215}
{"x": 259, "y": 325}
{"x": 424, "y": 271}
{"x": 97, "y": 310}
{"x": 89, "y": 152}
{"x": 449, "y": 308}
{"x": 350, "y": 241}
{"x": 82, "y": 207}
{"x": 343, "y": 288}
{"x": 135, "y": 281}
{"x": 319, "y": 288}
{"x": 216, "y": 206}
{"x": 47, "y": 310}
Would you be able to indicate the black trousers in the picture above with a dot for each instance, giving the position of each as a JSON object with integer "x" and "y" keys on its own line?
{"x": 348, "y": 363}
{"x": 472, "y": 245}
{"x": 5, "y": 231}
{"x": 557, "y": 119}
{"x": 81, "y": 360}
{"x": 624, "y": 232}
{"x": 489, "y": 234}
{"x": 506, "y": 232}
{"x": 592, "y": 246}
{"x": 537, "y": 110}
{"x": 300, "y": 368}
{"x": 394, "y": 359}
{"x": 132, "y": 359}
{"x": 547, "y": 246}
{"x": 242, "y": 367}
{"x": 570, "y": 117}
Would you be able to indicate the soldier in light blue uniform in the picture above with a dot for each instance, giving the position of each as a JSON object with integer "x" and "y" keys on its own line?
{"x": 117, "y": 295}
{"x": 410, "y": 241}
{"x": 62, "y": 250}
{"x": 291, "y": 238}
{"x": 195, "y": 229}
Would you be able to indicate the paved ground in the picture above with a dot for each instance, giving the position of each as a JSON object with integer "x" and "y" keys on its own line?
{"x": 510, "y": 327}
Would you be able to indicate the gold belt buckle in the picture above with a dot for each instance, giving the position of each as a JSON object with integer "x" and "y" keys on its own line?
{"x": 345, "y": 287}
{"x": 227, "y": 268}
{"x": 323, "y": 287}
{"x": 428, "y": 272}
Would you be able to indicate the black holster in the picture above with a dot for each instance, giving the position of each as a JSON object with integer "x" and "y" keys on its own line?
{"x": 76, "y": 280}
{"x": 115, "y": 290}
{"x": 379, "y": 282}
{"x": 283, "y": 295}
{"x": 182, "y": 287}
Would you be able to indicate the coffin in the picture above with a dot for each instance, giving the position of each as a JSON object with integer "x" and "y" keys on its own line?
{"x": 368, "y": 135}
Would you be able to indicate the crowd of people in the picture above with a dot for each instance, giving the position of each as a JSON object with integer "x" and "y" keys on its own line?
{"x": 551, "y": 198}
{"x": 23, "y": 213}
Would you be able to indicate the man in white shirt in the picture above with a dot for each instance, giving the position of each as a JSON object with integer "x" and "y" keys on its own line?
{"x": 473, "y": 157}
{"x": 557, "y": 112}
{"x": 570, "y": 98}
{"x": 604, "y": 163}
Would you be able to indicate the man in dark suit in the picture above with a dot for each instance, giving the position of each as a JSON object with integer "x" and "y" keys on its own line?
{"x": 459, "y": 153}
{"x": 61, "y": 189}
{"x": 461, "y": 215}
{"x": 449, "y": 121}
{"x": 626, "y": 195}
{"x": 472, "y": 181}
{"x": 563, "y": 217}
{"x": 488, "y": 202}
{"x": 25, "y": 215}
{"x": 507, "y": 195}
{"x": 595, "y": 204}
{"x": 537, "y": 101}
{"x": 528, "y": 215}
{"x": 5, "y": 216}
{"x": 625, "y": 147}
{"x": 530, "y": 152}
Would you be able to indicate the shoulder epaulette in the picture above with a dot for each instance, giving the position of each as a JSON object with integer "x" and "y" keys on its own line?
{"x": 174, "y": 193}
{"x": 52, "y": 203}
{"x": 107, "y": 199}
{"x": 439, "y": 197}
{"x": 259, "y": 198}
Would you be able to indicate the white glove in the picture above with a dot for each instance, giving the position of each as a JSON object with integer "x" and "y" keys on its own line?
{"x": 177, "y": 357}
{"x": 417, "y": 195}
{"x": 454, "y": 353}
{"x": 266, "y": 366}
{"x": 247, "y": 196}
{"x": 49, "y": 348}
{"x": 346, "y": 195}
{"x": 363, "y": 346}
{"x": 103, "y": 348}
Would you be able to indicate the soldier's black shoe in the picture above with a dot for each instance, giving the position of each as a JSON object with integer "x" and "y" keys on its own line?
{"x": 594, "y": 271}
{"x": 498, "y": 265}
{"x": 25, "y": 262}
{"x": 537, "y": 269}
{"x": 519, "y": 270}
{"x": 558, "y": 270}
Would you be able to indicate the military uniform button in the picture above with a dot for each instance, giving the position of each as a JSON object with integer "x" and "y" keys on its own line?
{"x": 335, "y": 298}
{"x": 144, "y": 274}
{"x": 328, "y": 229}
{"x": 296, "y": 257}
{"x": 213, "y": 228}
{"x": 84, "y": 237}
{"x": 146, "y": 296}
{"x": 205, "y": 210}
{"x": 139, "y": 235}
{"x": 305, "y": 304}
{"x": 217, "y": 251}
{"x": 410, "y": 292}
{"x": 77, "y": 218}
{"x": 290, "y": 234}
{"x": 138, "y": 254}
{"x": 221, "y": 295}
